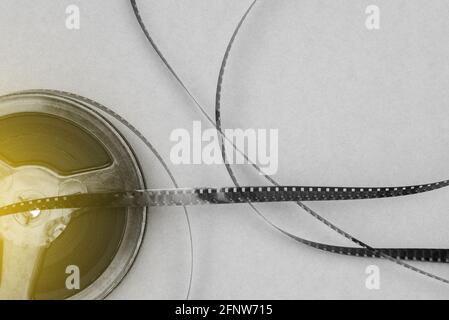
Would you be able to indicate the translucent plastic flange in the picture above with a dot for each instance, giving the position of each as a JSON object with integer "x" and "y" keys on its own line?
{"x": 27, "y": 235}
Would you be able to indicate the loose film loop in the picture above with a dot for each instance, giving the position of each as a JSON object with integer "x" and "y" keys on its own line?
{"x": 185, "y": 197}
{"x": 395, "y": 256}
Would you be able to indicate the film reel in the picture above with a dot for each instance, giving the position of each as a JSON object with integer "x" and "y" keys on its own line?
{"x": 51, "y": 145}
{"x": 48, "y": 188}
{"x": 71, "y": 194}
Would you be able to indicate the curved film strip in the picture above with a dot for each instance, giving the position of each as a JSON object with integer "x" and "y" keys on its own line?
{"x": 393, "y": 255}
{"x": 237, "y": 194}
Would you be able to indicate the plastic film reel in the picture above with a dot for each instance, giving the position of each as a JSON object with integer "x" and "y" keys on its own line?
{"x": 50, "y": 145}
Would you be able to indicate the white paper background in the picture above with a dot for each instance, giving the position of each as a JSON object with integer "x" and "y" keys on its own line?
{"x": 353, "y": 107}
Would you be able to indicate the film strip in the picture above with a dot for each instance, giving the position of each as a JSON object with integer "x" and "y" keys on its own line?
{"x": 394, "y": 255}
{"x": 186, "y": 197}
{"x": 205, "y": 196}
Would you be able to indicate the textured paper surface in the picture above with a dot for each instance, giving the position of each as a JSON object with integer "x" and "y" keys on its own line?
{"x": 353, "y": 107}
